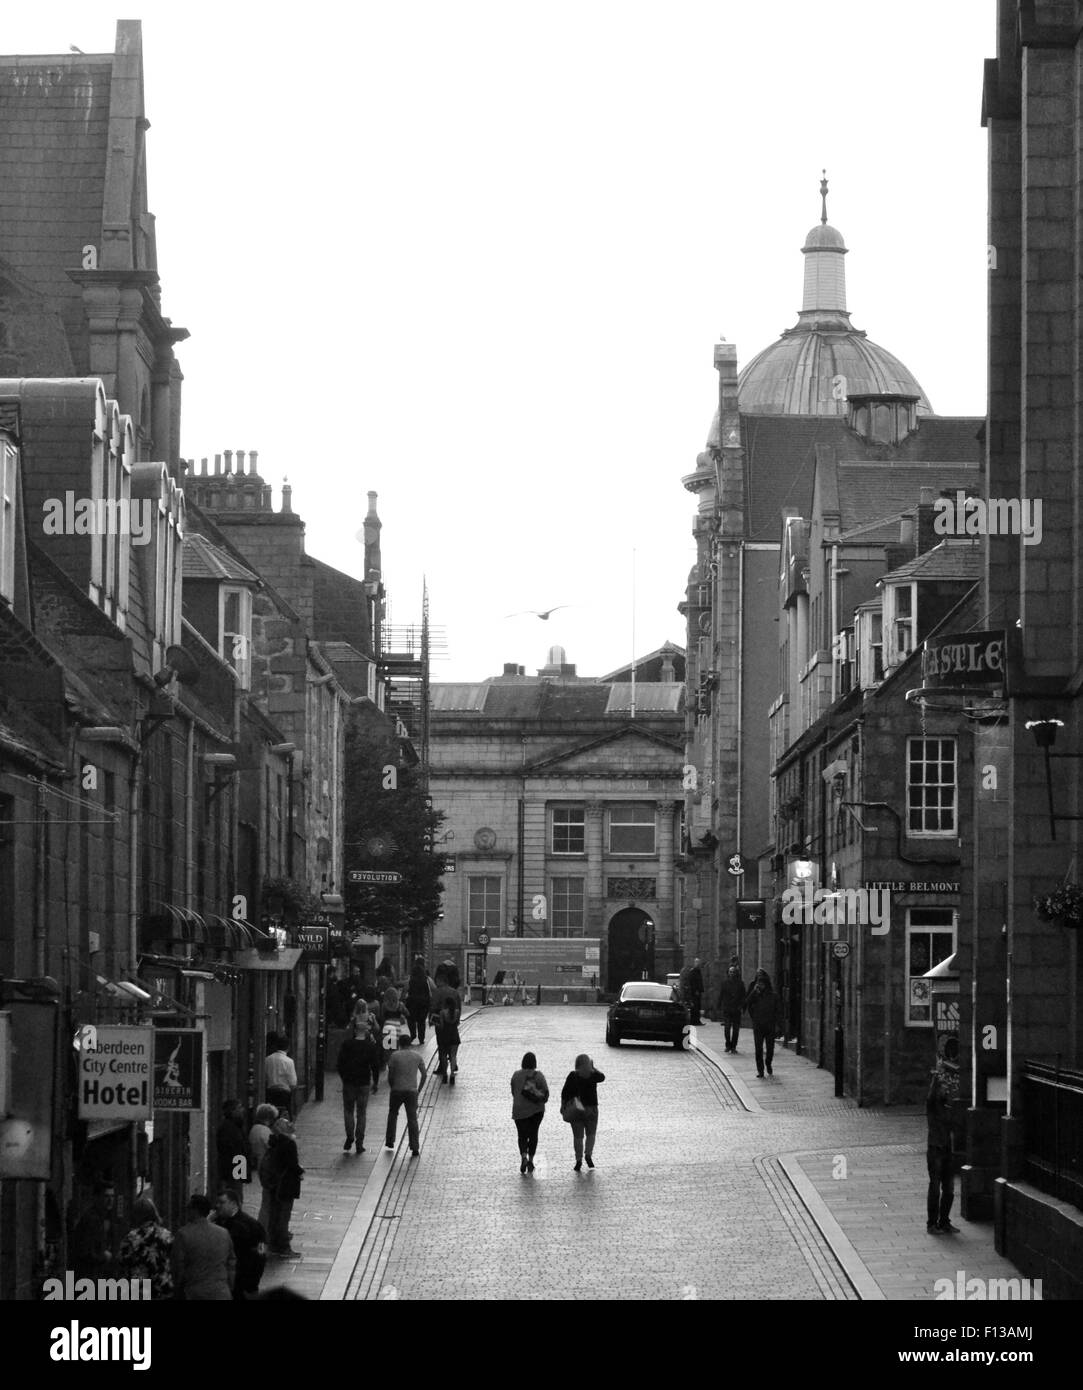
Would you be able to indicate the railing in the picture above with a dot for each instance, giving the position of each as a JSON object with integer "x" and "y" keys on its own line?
{"x": 1053, "y": 1127}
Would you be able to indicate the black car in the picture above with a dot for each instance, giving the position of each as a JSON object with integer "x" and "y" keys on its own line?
{"x": 648, "y": 1011}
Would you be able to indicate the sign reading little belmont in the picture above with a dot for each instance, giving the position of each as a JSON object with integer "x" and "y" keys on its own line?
{"x": 915, "y": 885}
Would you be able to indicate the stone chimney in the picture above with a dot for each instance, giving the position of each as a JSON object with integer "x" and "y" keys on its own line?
{"x": 371, "y": 532}
{"x": 925, "y": 537}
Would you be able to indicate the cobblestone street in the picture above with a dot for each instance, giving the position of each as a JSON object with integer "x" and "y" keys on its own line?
{"x": 709, "y": 1184}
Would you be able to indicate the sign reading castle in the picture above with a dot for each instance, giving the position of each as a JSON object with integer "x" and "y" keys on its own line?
{"x": 965, "y": 659}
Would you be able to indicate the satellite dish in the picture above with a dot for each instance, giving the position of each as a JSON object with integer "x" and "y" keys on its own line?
{"x": 183, "y": 664}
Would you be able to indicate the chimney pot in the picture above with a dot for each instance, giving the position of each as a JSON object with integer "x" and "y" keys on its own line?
{"x": 240, "y": 461}
{"x": 217, "y": 464}
{"x": 229, "y": 460}
{"x": 252, "y": 457}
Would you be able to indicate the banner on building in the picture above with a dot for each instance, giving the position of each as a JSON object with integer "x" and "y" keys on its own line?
{"x": 178, "y": 1069}
{"x": 115, "y": 1078}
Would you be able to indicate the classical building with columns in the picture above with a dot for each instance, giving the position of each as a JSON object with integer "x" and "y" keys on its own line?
{"x": 563, "y": 798}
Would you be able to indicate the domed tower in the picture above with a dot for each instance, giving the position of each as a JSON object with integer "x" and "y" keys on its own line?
{"x": 823, "y": 360}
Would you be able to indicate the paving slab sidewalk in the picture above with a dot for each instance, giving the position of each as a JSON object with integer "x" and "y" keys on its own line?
{"x": 868, "y": 1199}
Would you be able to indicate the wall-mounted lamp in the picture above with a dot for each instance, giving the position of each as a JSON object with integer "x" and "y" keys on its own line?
{"x": 1044, "y": 731}
{"x": 1045, "y": 736}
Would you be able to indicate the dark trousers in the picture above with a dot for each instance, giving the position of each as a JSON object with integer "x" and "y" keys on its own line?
{"x": 764, "y": 1039}
{"x": 281, "y": 1097}
{"x": 407, "y": 1099}
{"x": 732, "y": 1029}
{"x": 695, "y": 1002}
{"x": 528, "y": 1133}
{"x": 941, "y": 1183}
{"x": 278, "y": 1237}
{"x": 354, "y": 1098}
{"x": 418, "y": 1010}
{"x": 586, "y": 1128}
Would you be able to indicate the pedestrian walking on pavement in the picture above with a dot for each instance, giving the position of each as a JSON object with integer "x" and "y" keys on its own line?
{"x": 358, "y": 1066}
{"x": 529, "y": 1092}
{"x": 731, "y": 1000}
{"x": 762, "y": 1006}
{"x": 579, "y": 1107}
{"x": 446, "y": 1011}
{"x": 145, "y": 1251}
{"x": 418, "y": 998}
{"x": 942, "y": 1114}
{"x": 447, "y": 973}
{"x": 405, "y": 1073}
{"x": 694, "y": 985}
{"x": 280, "y": 1075}
{"x": 281, "y": 1172}
{"x": 202, "y": 1257}
{"x": 249, "y": 1244}
{"x": 259, "y": 1136}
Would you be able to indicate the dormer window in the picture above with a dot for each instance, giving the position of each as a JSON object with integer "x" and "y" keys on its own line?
{"x": 160, "y": 503}
{"x": 111, "y": 496}
{"x": 868, "y": 631}
{"x": 883, "y": 419}
{"x": 235, "y": 628}
{"x": 900, "y": 621}
{"x": 8, "y": 515}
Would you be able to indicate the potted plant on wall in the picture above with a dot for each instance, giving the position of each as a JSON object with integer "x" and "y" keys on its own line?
{"x": 287, "y": 898}
{"x": 1064, "y": 905}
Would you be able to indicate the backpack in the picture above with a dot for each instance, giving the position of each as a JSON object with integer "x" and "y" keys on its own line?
{"x": 535, "y": 1090}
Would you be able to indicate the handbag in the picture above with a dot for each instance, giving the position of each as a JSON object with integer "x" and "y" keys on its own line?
{"x": 573, "y": 1110}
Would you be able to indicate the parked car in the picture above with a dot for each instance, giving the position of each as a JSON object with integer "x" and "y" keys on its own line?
{"x": 650, "y": 1012}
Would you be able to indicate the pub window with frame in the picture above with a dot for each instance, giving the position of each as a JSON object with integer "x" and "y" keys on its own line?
{"x": 567, "y": 900}
{"x": 632, "y": 828}
{"x": 931, "y": 784}
{"x": 568, "y": 830}
{"x": 930, "y": 939}
{"x": 483, "y": 902}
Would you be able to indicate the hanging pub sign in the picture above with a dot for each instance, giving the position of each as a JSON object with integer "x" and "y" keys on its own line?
{"x": 178, "y": 1069}
{"x": 114, "y": 1073}
{"x": 751, "y": 914}
{"x": 314, "y": 939}
{"x": 965, "y": 659}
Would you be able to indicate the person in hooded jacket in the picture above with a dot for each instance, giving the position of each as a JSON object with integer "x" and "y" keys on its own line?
{"x": 942, "y": 1114}
{"x": 731, "y": 1000}
{"x": 418, "y": 998}
{"x": 762, "y": 1007}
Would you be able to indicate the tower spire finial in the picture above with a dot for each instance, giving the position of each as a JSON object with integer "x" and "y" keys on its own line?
{"x": 823, "y": 195}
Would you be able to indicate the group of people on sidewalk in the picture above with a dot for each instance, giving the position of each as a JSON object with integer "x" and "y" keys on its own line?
{"x": 735, "y": 999}
{"x": 381, "y": 1031}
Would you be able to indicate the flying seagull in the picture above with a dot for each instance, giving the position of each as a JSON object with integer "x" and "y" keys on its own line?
{"x": 535, "y": 614}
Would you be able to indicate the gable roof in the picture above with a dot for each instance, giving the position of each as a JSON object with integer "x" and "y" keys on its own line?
{"x": 781, "y": 453}
{"x": 673, "y": 746}
{"x": 877, "y": 494}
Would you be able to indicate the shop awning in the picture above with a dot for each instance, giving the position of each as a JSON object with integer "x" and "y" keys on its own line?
{"x": 172, "y": 923}
{"x": 283, "y": 959}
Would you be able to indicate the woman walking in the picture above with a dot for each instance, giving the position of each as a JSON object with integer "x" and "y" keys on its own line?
{"x": 446, "y": 1008}
{"x": 418, "y": 999}
{"x": 731, "y": 1000}
{"x": 529, "y": 1092}
{"x": 579, "y": 1106}
{"x": 762, "y": 1006}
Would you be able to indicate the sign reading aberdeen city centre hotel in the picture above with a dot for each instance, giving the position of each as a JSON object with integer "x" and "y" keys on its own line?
{"x": 116, "y": 1073}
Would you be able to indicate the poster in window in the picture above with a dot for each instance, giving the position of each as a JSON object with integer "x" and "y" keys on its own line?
{"x": 919, "y": 1001}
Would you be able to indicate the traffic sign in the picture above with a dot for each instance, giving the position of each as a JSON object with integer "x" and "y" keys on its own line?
{"x": 373, "y": 876}
{"x": 483, "y": 939}
{"x": 840, "y": 949}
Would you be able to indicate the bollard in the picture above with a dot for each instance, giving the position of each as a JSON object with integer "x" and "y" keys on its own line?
{"x": 538, "y": 1000}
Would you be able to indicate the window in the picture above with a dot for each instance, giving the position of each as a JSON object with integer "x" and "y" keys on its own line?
{"x": 900, "y": 608}
{"x": 931, "y": 786}
{"x": 868, "y": 629}
{"x": 568, "y": 830}
{"x": 567, "y": 898}
{"x": 8, "y": 513}
{"x": 631, "y": 829}
{"x": 235, "y": 629}
{"x": 111, "y": 493}
{"x": 930, "y": 939}
{"x": 483, "y": 902}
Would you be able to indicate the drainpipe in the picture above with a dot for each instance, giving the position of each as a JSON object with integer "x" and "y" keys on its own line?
{"x": 834, "y": 619}
{"x": 738, "y": 884}
{"x": 189, "y": 817}
{"x": 39, "y": 882}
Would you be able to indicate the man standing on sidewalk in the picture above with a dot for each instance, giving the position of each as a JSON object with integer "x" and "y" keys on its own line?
{"x": 941, "y": 1111}
{"x": 405, "y": 1073}
{"x": 694, "y": 986}
{"x": 280, "y": 1076}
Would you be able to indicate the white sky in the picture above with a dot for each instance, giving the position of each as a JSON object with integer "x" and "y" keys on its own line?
{"x": 475, "y": 256}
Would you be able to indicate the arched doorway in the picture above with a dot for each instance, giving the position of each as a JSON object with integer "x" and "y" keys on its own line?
{"x": 631, "y": 948}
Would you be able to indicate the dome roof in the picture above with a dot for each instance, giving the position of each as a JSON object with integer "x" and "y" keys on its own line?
{"x": 824, "y": 235}
{"x": 798, "y": 374}
{"x": 816, "y": 365}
